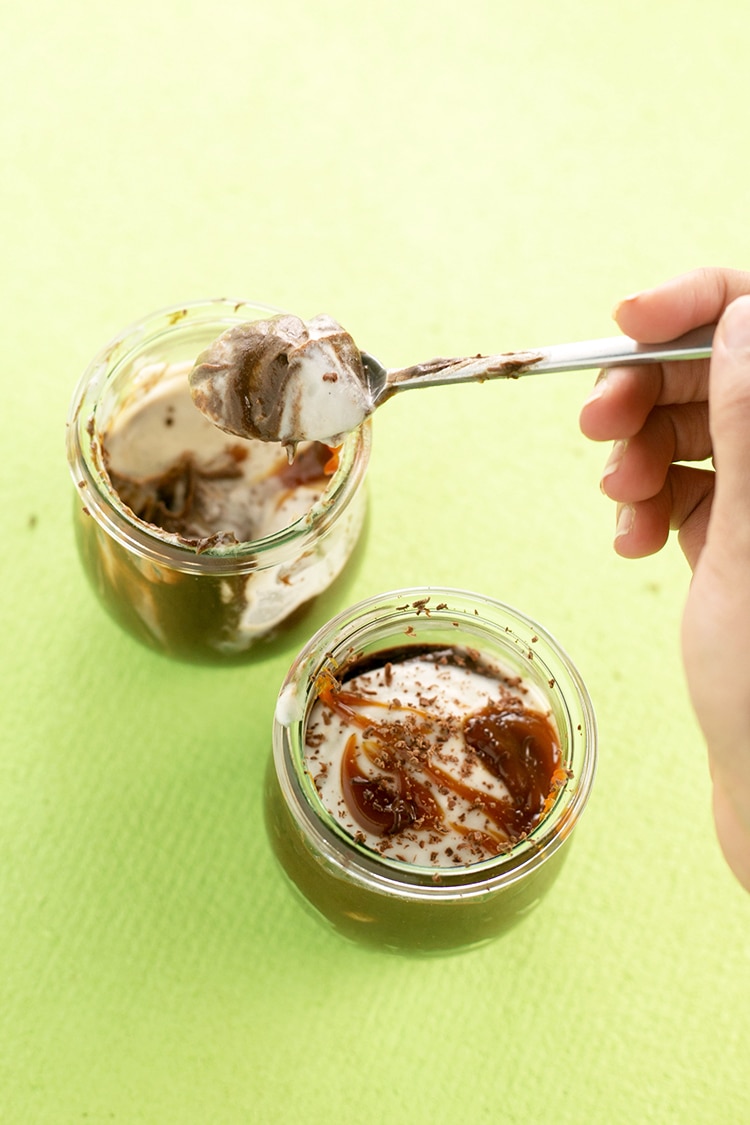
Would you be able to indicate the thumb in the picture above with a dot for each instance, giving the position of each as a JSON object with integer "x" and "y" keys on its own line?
{"x": 729, "y": 420}
{"x": 716, "y": 622}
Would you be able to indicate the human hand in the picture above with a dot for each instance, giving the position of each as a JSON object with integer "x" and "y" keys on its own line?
{"x": 659, "y": 416}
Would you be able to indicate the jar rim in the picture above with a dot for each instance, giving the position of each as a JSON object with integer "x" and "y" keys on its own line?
{"x": 101, "y": 501}
{"x": 463, "y": 613}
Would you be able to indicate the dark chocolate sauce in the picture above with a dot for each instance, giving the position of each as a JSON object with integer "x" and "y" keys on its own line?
{"x": 171, "y": 499}
{"x": 519, "y": 747}
{"x": 175, "y": 499}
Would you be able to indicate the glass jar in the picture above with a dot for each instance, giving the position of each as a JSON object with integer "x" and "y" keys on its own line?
{"x": 200, "y": 600}
{"x": 397, "y": 905}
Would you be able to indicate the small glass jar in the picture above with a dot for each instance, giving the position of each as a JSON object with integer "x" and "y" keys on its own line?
{"x": 401, "y": 906}
{"x": 196, "y": 601}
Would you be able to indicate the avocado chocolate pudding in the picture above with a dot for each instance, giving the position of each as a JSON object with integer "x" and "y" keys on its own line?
{"x": 433, "y": 751}
{"x": 199, "y": 542}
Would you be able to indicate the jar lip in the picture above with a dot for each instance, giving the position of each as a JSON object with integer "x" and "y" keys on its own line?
{"x": 102, "y": 502}
{"x": 469, "y": 614}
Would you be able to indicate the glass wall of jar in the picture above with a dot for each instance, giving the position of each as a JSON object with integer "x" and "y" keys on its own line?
{"x": 366, "y": 892}
{"x": 151, "y": 474}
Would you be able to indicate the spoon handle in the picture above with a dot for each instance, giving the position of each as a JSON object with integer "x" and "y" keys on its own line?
{"x": 614, "y": 351}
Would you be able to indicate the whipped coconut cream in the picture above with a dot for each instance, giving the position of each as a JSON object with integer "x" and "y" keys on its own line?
{"x": 434, "y": 757}
{"x": 283, "y": 380}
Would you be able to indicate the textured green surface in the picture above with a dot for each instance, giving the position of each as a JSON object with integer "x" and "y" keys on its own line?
{"x": 440, "y": 177}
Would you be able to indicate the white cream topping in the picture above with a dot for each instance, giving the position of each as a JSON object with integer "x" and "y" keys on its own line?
{"x": 323, "y": 399}
{"x": 289, "y": 706}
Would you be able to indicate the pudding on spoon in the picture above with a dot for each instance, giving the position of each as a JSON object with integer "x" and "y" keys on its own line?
{"x": 283, "y": 380}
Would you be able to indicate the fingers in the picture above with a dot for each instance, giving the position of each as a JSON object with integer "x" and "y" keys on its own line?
{"x": 620, "y": 402}
{"x": 623, "y": 398}
{"x": 685, "y": 302}
{"x": 682, "y": 504}
{"x": 655, "y": 495}
{"x": 637, "y": 468}
{"x": 665, "y": 413}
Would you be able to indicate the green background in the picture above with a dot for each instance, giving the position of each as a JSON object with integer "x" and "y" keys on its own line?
{"x": 441, "y": 178}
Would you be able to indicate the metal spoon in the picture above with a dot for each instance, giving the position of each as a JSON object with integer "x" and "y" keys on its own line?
{"x": 287, "y": 380}
{"x": 614, "y": 351}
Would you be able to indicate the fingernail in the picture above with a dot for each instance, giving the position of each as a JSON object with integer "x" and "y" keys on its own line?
{"x": 625, "y": 520}
{"x": 613, "y": 461}
{"x": 735, "y": 324}
{"x": 625, "y": 301}
{"x": 598, "y": 388}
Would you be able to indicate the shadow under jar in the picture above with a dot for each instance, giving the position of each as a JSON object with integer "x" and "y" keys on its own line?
{"x": 462, "y": 752}
{"x": 197, "y": 542}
